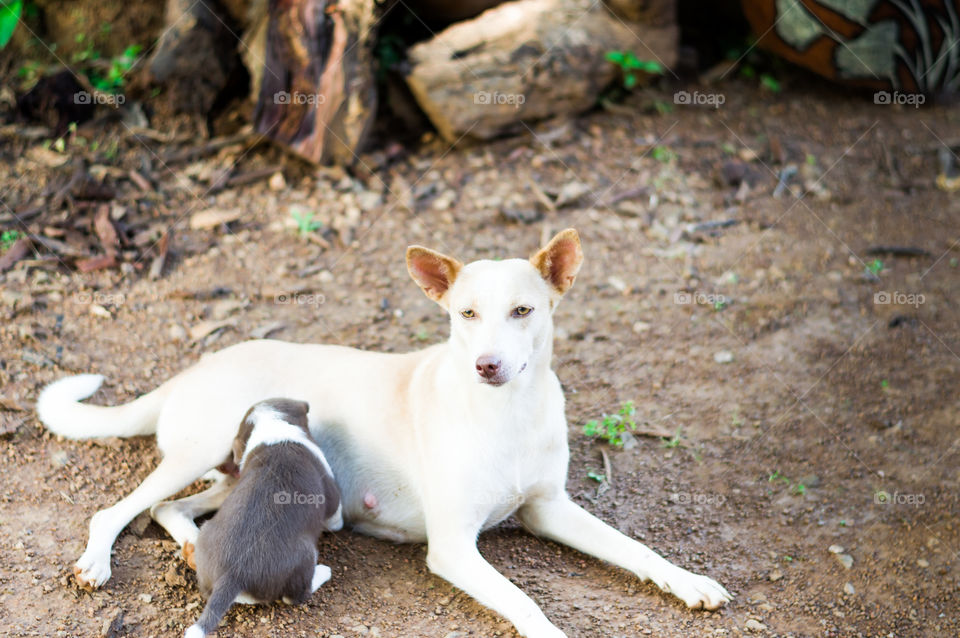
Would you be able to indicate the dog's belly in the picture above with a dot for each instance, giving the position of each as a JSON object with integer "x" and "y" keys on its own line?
{"x": 377, "y": 499}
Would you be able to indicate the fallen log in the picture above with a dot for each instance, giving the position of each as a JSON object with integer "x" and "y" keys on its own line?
{"x": 527, "y": 60}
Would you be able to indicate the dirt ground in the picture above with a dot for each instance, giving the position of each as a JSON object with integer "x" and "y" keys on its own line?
{"x": 814, "y": 467}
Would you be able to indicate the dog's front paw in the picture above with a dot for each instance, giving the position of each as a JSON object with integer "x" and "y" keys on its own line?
{"x": 90, "y": 573}
{"x": 697, "y": 591}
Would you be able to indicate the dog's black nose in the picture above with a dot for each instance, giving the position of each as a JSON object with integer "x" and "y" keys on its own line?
{"x": 488, "y": 366}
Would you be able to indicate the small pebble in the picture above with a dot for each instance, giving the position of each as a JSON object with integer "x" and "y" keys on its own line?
{"x": 775, "y": 575}
{"x": 277, "y": 182}
{"x": 724, "y": 356}
{"x": 848, "y": 589}
{"x": 922, "y": 562}
{"x": 755, "y": 625}
{"x": 836, "y": 549}
{"x": 846, "y": 560}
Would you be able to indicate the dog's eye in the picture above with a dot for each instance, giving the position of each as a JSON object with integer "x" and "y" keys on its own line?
{"x": 522, "y": 311}
{"x": 468, "y": 314}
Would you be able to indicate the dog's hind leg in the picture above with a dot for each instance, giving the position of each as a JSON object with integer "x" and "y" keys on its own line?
{"x": 564, "y": 521}
{"x": 177, "y": 517}
{"x": 172, "y": 475}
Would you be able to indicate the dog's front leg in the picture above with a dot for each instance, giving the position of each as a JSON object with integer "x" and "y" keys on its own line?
{"x": 564, "y": 521}
{"x": 455, "y": 558}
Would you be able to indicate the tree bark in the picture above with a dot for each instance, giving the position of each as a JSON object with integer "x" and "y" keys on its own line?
{"x": 317, "y": 92}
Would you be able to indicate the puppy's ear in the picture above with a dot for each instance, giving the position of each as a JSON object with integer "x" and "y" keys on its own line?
{"x": 559, "y": 261}
{"x": 433, "y": 272}
{"x": 240, "y": 441}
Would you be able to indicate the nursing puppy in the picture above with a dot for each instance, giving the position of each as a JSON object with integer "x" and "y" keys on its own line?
{"x": 261, "y": 546}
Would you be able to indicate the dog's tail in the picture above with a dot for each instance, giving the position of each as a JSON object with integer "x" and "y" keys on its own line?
{"x": 225, "y": 591}
{"x": 59, "y": 408}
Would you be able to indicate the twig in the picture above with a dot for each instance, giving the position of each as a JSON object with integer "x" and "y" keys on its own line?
{"x": 607, "y": 467}
{"x": 195, "y": 152}
{"x": 898, "y": 251}
{"x": 541, "y": 196}
{"x": 627, "y": 194}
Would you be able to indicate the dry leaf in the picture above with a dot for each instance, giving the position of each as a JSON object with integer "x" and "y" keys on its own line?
{"x": 205, "y": 328}
{"x": 213, "y": 217}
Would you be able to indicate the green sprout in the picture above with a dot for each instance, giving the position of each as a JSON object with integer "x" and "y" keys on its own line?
{"x": 8, "y": 239}
{"x": 613, "y": 426}
{"x": 630, "y": 64}
{"x": 305, "y": 222}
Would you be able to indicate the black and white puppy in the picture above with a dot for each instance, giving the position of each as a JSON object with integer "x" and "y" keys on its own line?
{"x": 261, "y": 546}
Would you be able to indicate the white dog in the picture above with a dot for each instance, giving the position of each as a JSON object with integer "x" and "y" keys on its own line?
{"x": 432, "y": 446}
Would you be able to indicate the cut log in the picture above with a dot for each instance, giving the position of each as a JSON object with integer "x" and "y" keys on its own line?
{"x": 317, "y": 93}
{"x": 524, "y": 61}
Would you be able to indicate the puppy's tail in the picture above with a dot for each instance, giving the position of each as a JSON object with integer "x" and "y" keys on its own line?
{"x": 59, "y": 408}
{"x": 225, "y": 591}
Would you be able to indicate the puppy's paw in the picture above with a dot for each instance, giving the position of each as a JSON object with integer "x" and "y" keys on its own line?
{"x": 697, "y": 591}
{"x": 321, "y": 574}
{"x": 189, "y": 554}
{"x": 194, "y": 631}
{"x": 91, "y": 573}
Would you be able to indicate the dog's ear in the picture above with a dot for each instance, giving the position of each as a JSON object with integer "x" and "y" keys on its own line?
{"x": 559, "y": 261}
{"x": 433, "y": 272}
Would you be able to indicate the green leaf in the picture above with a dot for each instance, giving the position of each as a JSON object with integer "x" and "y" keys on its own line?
{"x": 9, "y": 17}
{"x": 767, "y": 81}
{"x": 614, "y": 56}
{"x": 596, "y": 476}
{"x": 629, "y": 81}
{"x": 651, "y": 66}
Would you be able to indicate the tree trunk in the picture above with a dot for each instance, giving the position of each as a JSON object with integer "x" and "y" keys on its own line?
{"x": 317, "y": 93}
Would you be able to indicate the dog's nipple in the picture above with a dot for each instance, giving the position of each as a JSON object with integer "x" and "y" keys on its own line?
{"x": 369, "y": 500}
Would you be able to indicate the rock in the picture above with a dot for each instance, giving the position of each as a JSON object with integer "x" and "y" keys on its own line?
{"x": 846, "y": 560}
{"x": 848, "y": 589}
{"x": 112, "y": 625}
{"x": 922, "y": 562}
{"x": 571, "y": 192}
{"x": 755, "y": 625}
{"x": 173, "y": 578}
{"x": 146, "y": 598}
{"x": 724, "y": 356}
{"x": 176, "y": 332}
{"x": 277, "y": 182}
{"x": 775, "y": 575}
{"x": 835, "y": 549}
{"x": 139, "y": 525}
{"x": 99, "y": 311}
